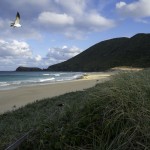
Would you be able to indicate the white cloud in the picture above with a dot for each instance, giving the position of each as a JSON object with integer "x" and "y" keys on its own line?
{"x": 75, "y": 25}
{"x": 138, "y": 9}
{"x": 72, "y": 18}
{"x": 73, "y": 6}
{"x": 18, "y": 53}
{"x": 58, "y": 54}
{"x": 120, "y": 5}
{"x": 96, "y": 22}
{"x": 38, "y": 58}
{"x": 51, "y": 18}
{"x": 14, "y": 49}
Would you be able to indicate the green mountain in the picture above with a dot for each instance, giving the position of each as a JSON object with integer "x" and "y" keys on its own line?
{"x": 132, "y": 52}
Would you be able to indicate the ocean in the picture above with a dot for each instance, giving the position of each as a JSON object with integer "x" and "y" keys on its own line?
{"x": 12, "y": 79}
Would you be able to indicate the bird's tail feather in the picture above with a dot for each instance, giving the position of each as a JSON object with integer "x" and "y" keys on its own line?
{"x": 12, "y": 24}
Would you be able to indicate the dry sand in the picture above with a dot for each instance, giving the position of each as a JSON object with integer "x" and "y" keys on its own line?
{"x": 15, "y": 98}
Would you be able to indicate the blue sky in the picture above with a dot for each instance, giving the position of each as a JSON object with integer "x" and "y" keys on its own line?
{"x": 55, "y": 30}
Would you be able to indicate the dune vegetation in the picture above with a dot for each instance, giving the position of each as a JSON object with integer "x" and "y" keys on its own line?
{"x": 112, "y": 115}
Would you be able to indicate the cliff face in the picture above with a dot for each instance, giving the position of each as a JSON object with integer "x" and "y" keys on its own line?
{"x": 133, "y": 52}
{"x": 28, "y": 69}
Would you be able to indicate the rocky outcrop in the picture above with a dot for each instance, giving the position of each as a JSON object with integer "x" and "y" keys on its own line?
{"x": 28, "y": 69}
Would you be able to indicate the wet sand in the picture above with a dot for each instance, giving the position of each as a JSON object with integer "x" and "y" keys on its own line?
{"x": 15, "y": 98}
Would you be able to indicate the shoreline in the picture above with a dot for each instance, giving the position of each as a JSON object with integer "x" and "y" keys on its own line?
{"x": 12, "y": 99}
{"x": 85, "y": 76}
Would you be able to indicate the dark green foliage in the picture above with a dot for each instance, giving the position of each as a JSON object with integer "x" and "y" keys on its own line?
{"x": 133, "y": 52}
{"x": 28, "y": 69}
{"x": 111, "y": 115}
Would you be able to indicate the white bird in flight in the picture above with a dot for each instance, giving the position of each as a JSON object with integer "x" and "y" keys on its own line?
{"x": 16, "y": 22}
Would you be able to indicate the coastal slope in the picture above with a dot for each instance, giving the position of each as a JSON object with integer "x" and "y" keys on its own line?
{"x": 131, "y": 52}
{"x": 117, "y": 52}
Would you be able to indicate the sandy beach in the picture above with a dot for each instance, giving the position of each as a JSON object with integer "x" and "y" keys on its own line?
{"x": 15, "y": 98}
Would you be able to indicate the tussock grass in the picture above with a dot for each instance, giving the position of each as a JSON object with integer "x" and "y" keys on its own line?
{"x": 111, "y": 115}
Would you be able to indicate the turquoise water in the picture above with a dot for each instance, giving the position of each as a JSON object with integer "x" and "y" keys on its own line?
{"x": 11, "y": 79}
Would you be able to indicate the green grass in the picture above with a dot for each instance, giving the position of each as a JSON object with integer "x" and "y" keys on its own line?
{"x": 111, "y": 115}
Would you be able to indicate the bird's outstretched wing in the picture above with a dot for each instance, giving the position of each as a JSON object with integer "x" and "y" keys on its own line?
{"x": 17, "y": 18}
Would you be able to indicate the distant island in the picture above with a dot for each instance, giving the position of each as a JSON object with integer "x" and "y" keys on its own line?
{"x": 21, "y": 68}
{"x": 130, "y": 52}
